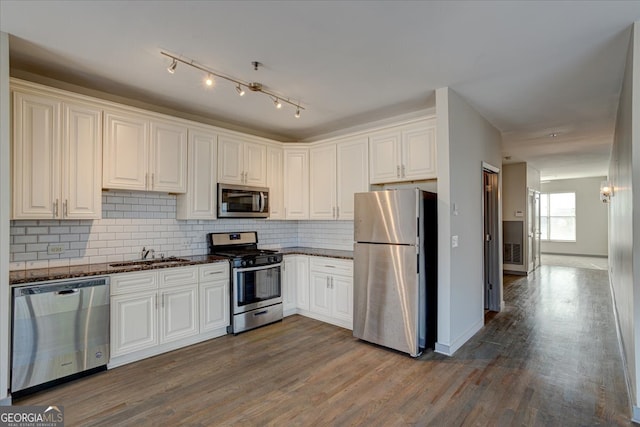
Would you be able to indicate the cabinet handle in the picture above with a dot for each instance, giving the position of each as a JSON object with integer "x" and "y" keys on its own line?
{"x": 211, "y": 273}
{"x": 55, "y": 209}
{"x": 398, "y": 171}
{"x": 327, "y": 282}
{"x": 333, "y": 215}
{"x": 331, "y": 282}
{"x": 65, "y": 210}
{"x": 337, "y": 212}
{"x": 152, "y": 176}
{"x": 162, "y": 300}
{"x": 403, "y": 174}
{"x": 146, "y": 180}
{"x": 156, "y": 301}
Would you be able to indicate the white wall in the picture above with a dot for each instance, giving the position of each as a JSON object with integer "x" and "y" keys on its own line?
{"x": 592, "y": 217}
{"x": 464, "y": 140}
{"x": 624, "y": 214}
{"x": 5, "y": 198}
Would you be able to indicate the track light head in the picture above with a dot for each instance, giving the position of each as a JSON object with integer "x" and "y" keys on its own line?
{"x": 240, "y": 90}
{"x": 209, "y": 80}
{"x": 277, "y": 103}
{"x": 297, "y": 115}
{"x": 172, "y": 68}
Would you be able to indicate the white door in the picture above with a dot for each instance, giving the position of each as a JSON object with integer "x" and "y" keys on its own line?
{"x": 289, "y": 285}
{"x": 230, "y": 160}
{"x": 322, "y": 182}
{"x": 418, "y": 153}
{"x": 275, "y": 182}
{"x": 384, "y": 157}
{"x": 320, "y": 298}
{"x": 296, "y": 183}
{"x": 36, "y": 157}
{"x": 352, "y": 174}
{"x": 125, "y": 152}
{"x": 199, "y": 202}
{"x": 133, "y": 322}
{"x": 302, "y": 282}
{"x": 168, "y": 166}
{"x": 255, "y": 164}
{"x": 214, "y": 305}
{"x": 179, "y": 312}
{"x": 81, "y": 162}
{"x": 342, "y": 299}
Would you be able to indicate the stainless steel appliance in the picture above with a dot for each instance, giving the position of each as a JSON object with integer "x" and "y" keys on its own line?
{"x": 395, "y": 269}
{"x": 238, "y": 201}
{"x": 256, "y": 290}
{"x": 60, "y": 330}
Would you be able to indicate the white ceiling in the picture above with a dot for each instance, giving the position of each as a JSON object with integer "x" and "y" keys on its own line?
{"x": 531, "y": 68}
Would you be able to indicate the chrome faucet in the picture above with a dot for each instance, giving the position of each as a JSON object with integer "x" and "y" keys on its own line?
{"x": 145, "y": 253}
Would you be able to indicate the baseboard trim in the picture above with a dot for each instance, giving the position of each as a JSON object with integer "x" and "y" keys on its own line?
{"x": 6, "y": 401}
{"x": 514, "y": 272}
{"x": 568, "y": 254}
{"x": 450, "y": 349}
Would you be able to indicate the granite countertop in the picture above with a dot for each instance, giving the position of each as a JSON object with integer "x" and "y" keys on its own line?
{"x": 329, "y": 253}
{"x": 19, "y": 277}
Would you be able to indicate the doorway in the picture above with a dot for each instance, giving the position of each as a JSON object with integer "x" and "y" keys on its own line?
{"x": 533, "y": 232}
{"x": 491, "y": 221}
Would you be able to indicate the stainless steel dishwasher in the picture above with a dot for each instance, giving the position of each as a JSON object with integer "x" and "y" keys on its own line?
{"x": 60, "y": 331}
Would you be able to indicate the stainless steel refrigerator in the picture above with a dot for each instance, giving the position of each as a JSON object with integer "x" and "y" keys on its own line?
{"x": 395, "y": 269}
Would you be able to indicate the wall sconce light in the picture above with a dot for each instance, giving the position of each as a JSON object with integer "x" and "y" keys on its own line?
{"x": 606, "y": 191}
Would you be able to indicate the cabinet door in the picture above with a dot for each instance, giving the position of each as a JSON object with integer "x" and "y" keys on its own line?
{"x": 168, "y": 167}
{"x": 322, "y": 182}
{"x": 296, "y": 183}
{"x": 230, "y": 160}
{"x": 179, "y": 312}
{"x": 199, "y": 202}
{"x": 384, "y": 157}
{"x": 36, "y": 157}
{"x": 275, "y": 182}
{"x": 125, "y": 152}
{"x": 214, "y": 305}
{"x": 289, "y": 284}
{"x": 81, "y": 162}
{"x": 320, "y": 293}
{"x": 255, "y": 164}
{"x": 352, "y": 174}
{"x": 342, "y": 299}
{"x": 419, "y": 153}
{"x": 302, "y": 281}
{"x": 133, "y": 322}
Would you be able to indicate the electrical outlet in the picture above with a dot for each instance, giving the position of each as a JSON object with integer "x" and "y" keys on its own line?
{"x": 55, "y": 249}
{"x": 454, "y": 241}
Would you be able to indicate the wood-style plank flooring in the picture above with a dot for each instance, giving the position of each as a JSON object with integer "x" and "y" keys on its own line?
{"x": 549, "y": 359}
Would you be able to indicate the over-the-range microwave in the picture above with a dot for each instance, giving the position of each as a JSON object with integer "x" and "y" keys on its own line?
{"x": 239, "y": 201}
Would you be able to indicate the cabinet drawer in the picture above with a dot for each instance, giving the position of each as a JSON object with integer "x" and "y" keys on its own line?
{"x": 124, "y": 283}
{"x": 217, "y": 271}
{"x": 178, "y": 276}
{"x": 331, "y": 266}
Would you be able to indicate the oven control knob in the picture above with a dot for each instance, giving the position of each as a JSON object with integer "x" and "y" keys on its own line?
{"x": 251, "y": 262}
{"x": 272, "y": 259}
{"x": 243, "y": 263}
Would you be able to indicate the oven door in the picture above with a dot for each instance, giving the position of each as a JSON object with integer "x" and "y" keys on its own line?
{"x": 256, "y": 287}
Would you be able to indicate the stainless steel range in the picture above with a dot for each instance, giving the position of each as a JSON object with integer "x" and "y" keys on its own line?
{"x": 256, "y": 290}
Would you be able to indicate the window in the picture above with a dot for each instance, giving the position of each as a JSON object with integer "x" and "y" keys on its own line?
{"x": 558, "y": 216}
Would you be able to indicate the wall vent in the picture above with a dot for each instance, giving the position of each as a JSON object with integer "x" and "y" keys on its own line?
{"x": 512, "y": 248}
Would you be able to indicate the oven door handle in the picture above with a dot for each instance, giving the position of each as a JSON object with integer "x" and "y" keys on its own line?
{"x": 262, "y": 202}
{"x": 261, "y": 267}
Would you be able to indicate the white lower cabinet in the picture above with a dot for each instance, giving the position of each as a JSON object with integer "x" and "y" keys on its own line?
{"x": 214, "y": 297}
{"x": 319, "y": 287}
{"x": 331, "y": 290}
{"x": 157, "y": 311}
{"x": 295, "y": 284}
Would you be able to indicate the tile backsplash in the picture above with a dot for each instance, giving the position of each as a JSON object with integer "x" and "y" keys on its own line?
{"x": 133, "y": 220}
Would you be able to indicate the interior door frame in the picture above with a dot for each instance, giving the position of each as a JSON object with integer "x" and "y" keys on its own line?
{"x": 492, "y": 237}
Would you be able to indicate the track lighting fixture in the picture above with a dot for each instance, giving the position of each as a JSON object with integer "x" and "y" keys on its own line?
{"x": 239, "y": 84}
{"x": 172, "y": 67}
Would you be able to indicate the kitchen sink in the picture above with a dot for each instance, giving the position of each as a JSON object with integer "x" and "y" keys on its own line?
{"x": 155, "y": 261}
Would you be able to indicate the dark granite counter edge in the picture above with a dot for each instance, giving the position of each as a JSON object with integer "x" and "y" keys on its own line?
{"x": 329, "y": 253}
{"x": 20, "y": 277}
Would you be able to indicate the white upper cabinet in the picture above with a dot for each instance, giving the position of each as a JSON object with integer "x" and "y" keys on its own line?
{"x": 337, "y": 171}
{"x": 241, "y": 162}
{"x": 275, "y": 181}
{"x": 296, "y": 183}
{"x": 144, "y": 154}
{"x": 199, "y": 202}
{"x": 403, "y": 153}
{"x": 322, "y": 182}
{"x": 57, "y": 157}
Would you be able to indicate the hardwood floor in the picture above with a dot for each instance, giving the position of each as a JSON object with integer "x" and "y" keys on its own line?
{"x": 550, "y": 358}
